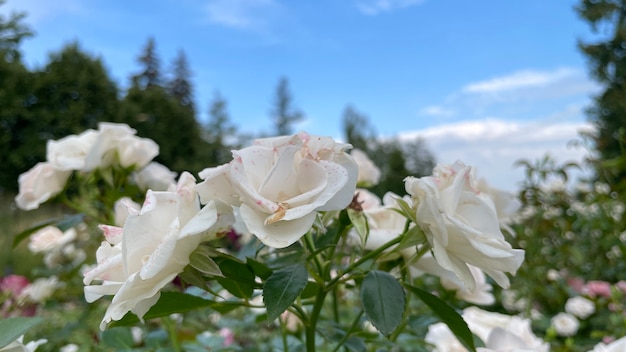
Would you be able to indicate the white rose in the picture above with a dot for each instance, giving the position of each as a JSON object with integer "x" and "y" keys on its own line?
{"x": 580, "y": 307}
{"x": 19, "y": 346}
{"x": 499, "y": 332}
{"x": 39, "y": 184}
{"x": 70, "y": 153}
{"x": 156, "y": 177}
{"x": 442, "y": 339}
{"x": 124, "y": 207}
{"x": 281, "y": 183}
{"x": 50, "y": 238}
{"x": 461, "y": 224}
{"x": 369, "y": 173}
{"x": 119, "y": 139}
{"x": 615, "y": 346}
{"x": 481, "y": 294}
{"x": 384, "y": 222}
{"x": 41, "y": 289}
{"x": 506, "y": 204}
{"x": 565, "y": 324}
{"x": 137, "y": 261}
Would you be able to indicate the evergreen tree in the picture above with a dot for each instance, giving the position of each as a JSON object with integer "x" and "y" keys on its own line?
{"x": 607, "y": 61}
{"x": 12, "y": 32}
{"x": 180, "y": 85}
{"x": 72, "y": 93}
{"x": 284, "y": 115}
{"x": 151, "y": 74}
{"x": 157, "y": 114}
{"x": 220, "y": 133}
{"x": 395, "y": 158}
{"x": 18, "y": 151}
{"x": 358, "y": 131}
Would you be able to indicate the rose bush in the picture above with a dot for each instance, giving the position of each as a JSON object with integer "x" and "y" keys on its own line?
{"x": 281, "y": 230}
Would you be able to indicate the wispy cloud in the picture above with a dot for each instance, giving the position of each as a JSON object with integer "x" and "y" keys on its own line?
{"x": 519, "y": 80}
{"x": 242, "y": 14}
{"x": 375, "y": 7}
{"x": 39, "y": 11}
{"x": 494, "y": 145}
{"x": 437, "y": 111}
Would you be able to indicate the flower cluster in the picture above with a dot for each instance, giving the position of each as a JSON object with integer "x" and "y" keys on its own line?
{"x": 298, "y": 196}
{"x": 111, "y": 143}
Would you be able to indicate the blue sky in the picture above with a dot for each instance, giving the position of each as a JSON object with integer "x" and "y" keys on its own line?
{"x": 486, "y": 82}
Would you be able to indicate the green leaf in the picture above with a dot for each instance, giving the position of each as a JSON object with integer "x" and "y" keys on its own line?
{"x": 119, "y": 338}
{"x": 383, "y": 300}
{"x": 448, "y": 315}
{"x": 12, "y": 328}
{"x": 238, "y": 277}
{"x": 259, "y": 269}
{"x": 170, "y": 302}
{"x": 359, "y": 221}
{"x": 193, "y": 277}
{"x": 283, "y": 287}
{"x": 355, "y": 344}
{"x": 413, "y": 237}
{"x": 70, "y": 221}
{"x": 202, "y": 261}
{"x": 406, "y": 209}
{"x": 64, "y": 224}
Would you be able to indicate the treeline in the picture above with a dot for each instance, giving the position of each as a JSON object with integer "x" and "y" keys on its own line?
{"x": 73, "y": 92}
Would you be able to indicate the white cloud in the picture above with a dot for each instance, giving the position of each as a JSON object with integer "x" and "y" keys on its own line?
{"x": 375, "y": 7}
{"x": 436, "y": 110}
{"x": 494, "y": 145}
{"x": 39, "y": 11}
{"x": 517, "y": 80}
{"x": 242, "y": 14}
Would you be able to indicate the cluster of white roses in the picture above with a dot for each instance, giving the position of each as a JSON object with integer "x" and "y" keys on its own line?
{"x": 276, "y": 188}
{"x": 111, "y": 143}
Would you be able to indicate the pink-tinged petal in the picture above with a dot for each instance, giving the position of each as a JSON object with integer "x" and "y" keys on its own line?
{"x": 39, "y": 184}
{"x": 113, "y": 234}
{"x": 256, "y": 164}
{"x": 279, "y": 234}
{"x": 248, "y": 193}
{"x": 217, "y": 186}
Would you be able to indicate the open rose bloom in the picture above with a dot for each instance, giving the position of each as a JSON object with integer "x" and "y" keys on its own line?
{"x": 280, "y": 184}
{"x": 462, "y": 225}
{"x": 136, "y": 261}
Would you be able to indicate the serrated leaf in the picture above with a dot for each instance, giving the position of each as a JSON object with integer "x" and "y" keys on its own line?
{"x": 448, "y": 315}
{"x": 12, "y": 328}
{"x": 283, "y": 287}
{"x": 359, "y": 222}
{"x": 383, "y": 300}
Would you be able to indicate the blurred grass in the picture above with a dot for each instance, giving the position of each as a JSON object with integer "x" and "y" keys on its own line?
{"x": 19, "y": 260}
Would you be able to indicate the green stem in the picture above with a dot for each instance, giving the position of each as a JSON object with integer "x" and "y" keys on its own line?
{"x": 365, "y": 258}
{"x": 170, "y": 326}
{"x": 308, "y": 241}
{"x": 315, "y": 314}
{"x": 283, "y": 330}
{"x": 345, "y": 337}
